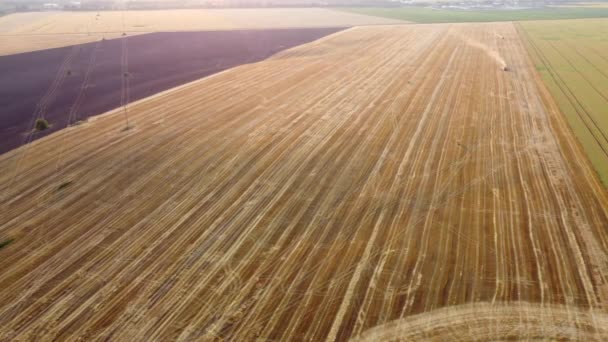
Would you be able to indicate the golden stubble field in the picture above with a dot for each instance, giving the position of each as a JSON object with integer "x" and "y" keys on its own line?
{"x": 23, "y": 32}
{"x": 380, "y": 182}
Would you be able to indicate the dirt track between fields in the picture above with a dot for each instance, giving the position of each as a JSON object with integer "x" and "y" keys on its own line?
{"x": 349, "y": 187}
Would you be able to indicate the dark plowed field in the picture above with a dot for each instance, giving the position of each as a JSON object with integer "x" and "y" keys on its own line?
{"x": 72, "y": 83}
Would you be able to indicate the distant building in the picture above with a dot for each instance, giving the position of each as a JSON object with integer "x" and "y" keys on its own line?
{"x": 49, "y": 6}
{"x": 97, "y": 5}
{"x": 72, "y": 5}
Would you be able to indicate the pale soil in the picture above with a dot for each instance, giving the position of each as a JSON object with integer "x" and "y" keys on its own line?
{"x": 377, "y": 175}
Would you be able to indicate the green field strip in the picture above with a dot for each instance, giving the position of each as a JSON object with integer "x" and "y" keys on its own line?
{"x": 431, "y": 15}
{"x": 586, "y": 80}
{"x": 574, "y": 71}
{"x": 585, "y": 85}
{"x": 586, "y": 62}
{"x": 592, "y": 67}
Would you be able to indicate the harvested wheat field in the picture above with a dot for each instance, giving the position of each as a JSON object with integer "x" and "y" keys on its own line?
{"x": 24, "y": 32}
{"x": 367, "y": 185}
